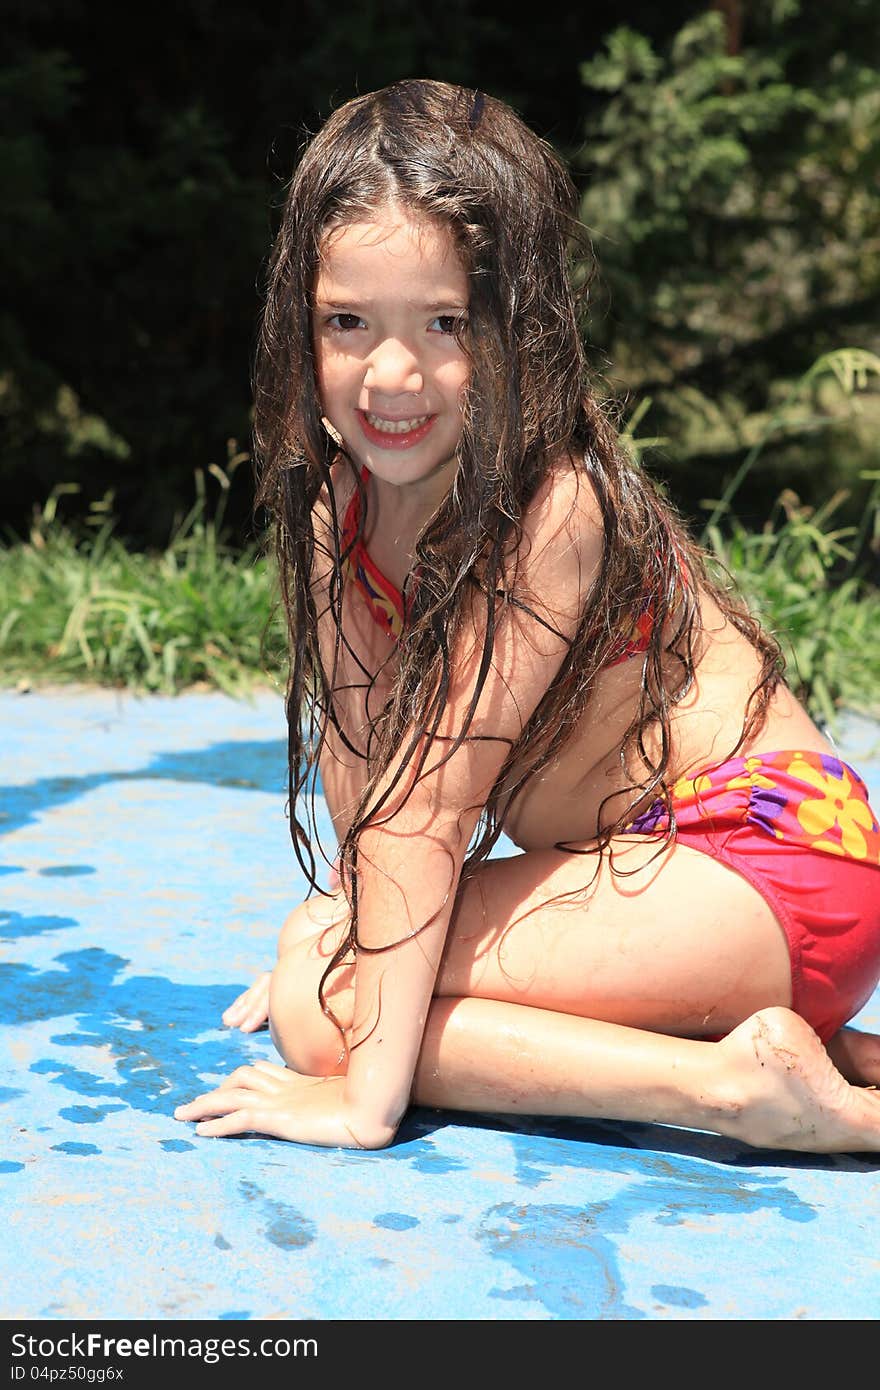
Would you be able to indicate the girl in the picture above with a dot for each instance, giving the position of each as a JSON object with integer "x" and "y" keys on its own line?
{"x": 497, "y": 623}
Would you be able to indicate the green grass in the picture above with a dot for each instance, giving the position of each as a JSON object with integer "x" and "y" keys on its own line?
{"x": 77, "y": 606}
{"x": 807, "y": 580}
{"x": 808, "y": 583}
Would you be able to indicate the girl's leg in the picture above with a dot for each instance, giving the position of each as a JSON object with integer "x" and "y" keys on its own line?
{"x": 856, "y": 1056}
{"x": 769, "y": 1083}
{"x": 249, "y": 1011}
{"x": 676, "y": 943}
{"x": 554, "y": 998}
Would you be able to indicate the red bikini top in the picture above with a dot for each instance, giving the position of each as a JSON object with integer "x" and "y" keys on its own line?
{"x": 386, "y": 604}
{"x": 383, "y": 599}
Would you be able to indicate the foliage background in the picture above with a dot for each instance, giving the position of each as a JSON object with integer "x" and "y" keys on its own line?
{"x": 728, "y": 160}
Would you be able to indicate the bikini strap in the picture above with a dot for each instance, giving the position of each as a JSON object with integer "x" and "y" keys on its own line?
{"x": 383, "y": 599}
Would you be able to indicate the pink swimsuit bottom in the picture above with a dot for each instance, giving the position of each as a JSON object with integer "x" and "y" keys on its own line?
{"x": 799, "y": 827}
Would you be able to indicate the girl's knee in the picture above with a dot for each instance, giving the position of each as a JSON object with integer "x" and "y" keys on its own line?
{"x": 296, "y": 928}
{"x": 306, "y": 1038}
{"x": 307, "y": 920}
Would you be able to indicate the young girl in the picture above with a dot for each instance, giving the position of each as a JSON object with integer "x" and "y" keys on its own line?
{"x": 497, "y": 623}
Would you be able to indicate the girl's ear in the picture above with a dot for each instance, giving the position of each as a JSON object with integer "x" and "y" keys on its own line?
{"x": 333, "y": 432}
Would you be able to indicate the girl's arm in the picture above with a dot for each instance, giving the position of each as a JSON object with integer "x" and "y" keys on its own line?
{"x": 410, "y": 857}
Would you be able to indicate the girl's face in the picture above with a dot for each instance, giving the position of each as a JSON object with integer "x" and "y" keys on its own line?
{"x": 389, "y": 296}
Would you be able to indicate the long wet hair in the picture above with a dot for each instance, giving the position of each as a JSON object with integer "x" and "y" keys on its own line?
{"x": 464, "y": 160}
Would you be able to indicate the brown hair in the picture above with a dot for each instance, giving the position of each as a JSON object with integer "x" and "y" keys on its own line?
{"x": 467, "y": 161}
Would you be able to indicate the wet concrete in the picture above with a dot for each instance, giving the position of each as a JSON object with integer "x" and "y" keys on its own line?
{"x": 145, "y": 867}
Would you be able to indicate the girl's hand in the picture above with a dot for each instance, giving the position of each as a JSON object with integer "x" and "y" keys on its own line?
{"x": 269, "y": 1099}
{"x": 250, "y": 1010}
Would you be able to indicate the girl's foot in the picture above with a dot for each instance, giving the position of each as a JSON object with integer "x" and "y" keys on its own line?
{"x": 789, "y": 1093}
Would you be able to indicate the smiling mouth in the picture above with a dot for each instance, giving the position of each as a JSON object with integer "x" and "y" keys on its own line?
{"x": 395, "y": 426}
{"x": 395, "y": 434}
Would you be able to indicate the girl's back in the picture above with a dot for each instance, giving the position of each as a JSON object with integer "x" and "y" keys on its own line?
{"x": 584, "y": 788}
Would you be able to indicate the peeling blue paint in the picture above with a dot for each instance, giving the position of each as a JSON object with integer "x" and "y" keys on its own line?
{"x": 288, "y": 1228}
{"x": 395, "y": 1221}
{"x": 66, "y": 870}
{"x": 678, "y": 1297}
{"x": 571, "y": 1265}
{"x": 291, "y": 1231}
{"x": 158, "y": 1066}
{"x": 13, "y": 925}
{"x": 421, "y": 1153}
{"x": 88, "y": 1114}
{"x": 247, "y": 765}
{"x": 71, "y": 1079}
{"x": 110, "y": 1006}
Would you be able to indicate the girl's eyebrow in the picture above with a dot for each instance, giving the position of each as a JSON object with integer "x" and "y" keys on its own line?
{"x": 454, "y": 303}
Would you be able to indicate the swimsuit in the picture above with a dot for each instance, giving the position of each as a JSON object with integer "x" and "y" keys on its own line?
{"x": 383, "y": 599}
{"x": 799, "y": 828}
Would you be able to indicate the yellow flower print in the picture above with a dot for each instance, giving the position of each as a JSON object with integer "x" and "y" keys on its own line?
{"x": 833, "y": 807}
{"x": 751, "y": 776}
{"x": 691, "y": 788}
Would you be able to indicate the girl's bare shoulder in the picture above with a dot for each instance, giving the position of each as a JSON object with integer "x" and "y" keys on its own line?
{"x": 563, "y": 522}
{"x": 328, "y": 512}
{"x": 333, "y": 498}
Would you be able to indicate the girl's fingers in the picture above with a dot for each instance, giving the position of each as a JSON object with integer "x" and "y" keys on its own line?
{"x": 278, "y": 1103}
{"x": 237, "y": 1009}
{"x": 244, "y": 1088}
{"x": 257, "y": 1018}
{"x": 249, "y": 1119}
{"x": 251, "y": 1009}
{"x": 218, "y": 1102}
{"x": 237, "y": 1122}
{"x": 246, "y": 999}
{"x": 237, "y": 1112}
{"x": 249, "y": 1078}
{"x": 244, "y": 1085}
{"x": 274, "y": 1069}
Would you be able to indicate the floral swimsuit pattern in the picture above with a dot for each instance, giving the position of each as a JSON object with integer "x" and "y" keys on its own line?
{"x": 811, "y": 799}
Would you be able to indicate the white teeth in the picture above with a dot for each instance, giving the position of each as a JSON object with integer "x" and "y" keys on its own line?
{"x": 395, "y": 426}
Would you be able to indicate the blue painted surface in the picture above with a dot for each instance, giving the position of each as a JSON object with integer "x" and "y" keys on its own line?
{"x": 145, "y": 867}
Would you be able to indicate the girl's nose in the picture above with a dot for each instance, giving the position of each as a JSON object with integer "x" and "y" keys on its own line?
{"x": 392, "y": 368}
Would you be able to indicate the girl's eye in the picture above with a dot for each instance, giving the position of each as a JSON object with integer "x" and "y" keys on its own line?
{"x": 447, "y": 323}
{"x": 344, "y": 323}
